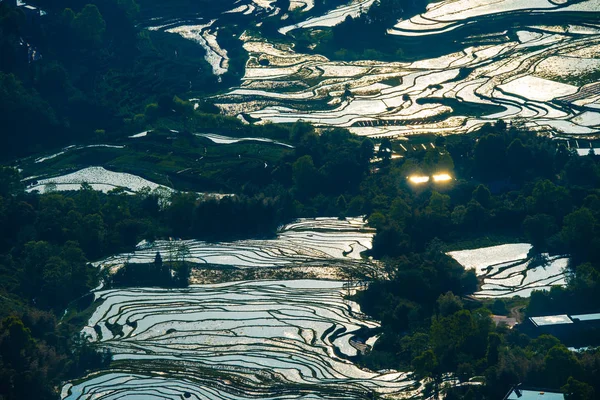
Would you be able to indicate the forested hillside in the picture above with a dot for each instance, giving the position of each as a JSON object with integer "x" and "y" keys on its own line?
{"x": 94, "y": 74}
{"x": 89, "y": 84}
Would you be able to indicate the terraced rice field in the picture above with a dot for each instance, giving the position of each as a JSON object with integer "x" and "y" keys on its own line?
{"x": 333, "y": 17}
{"x": 507, "y": 271}
{"x": 585, "y": 152}
{"x": 307, "y": 242}
{"x": 139, "y": 135}
{"x": 246, "y": 340}
{"x": 295, "y": 339}
{"x": 205, "y": 36}
{"x": 527, "y": 71}
{"x": 98, "y": 178}
{"x": 220, "y": 139}
{"x": 75, "y": 148}
{"x": 508, "y": 64}
{"x": 444, "y": 16}
{"x": 103, "y": 180}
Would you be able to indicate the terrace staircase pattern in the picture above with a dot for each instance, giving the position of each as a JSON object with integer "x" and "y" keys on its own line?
{"x": 245, "y": 340}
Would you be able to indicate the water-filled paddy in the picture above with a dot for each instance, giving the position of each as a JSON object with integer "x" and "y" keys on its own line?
{"x": 334, "y": 17}
{"x": 503, "y": 75}
{"x": 519, "y": 69}
{"x": 507, "y": 270}
{"x": 220, "y": 139}
{"x": 207, "y": 38}
{"x": 248, "y": 337}
{"x": 305, "y": 242}
{"x": 98, "y": 178}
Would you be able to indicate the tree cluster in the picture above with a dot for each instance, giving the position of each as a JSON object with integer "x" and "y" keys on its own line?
{"x": 95, "y": 71}
{"x": 509, "y": 183}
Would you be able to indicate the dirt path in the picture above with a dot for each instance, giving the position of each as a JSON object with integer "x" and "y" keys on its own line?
{"x": 515, "y": 312}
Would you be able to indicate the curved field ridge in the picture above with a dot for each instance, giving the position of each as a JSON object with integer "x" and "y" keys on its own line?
{"x": 305, "y": 242}
{"x": 333, "y": 17}
{"x": 220, "y": 139}
{"x": 508, "y": 271}
{"x": 75, "y": 148}
{"x": 254, "y": 339}
{"x": 206, "y": 37}
{"x": 103, "y": 180}
{"x": 99, "y": 178}
{"x": 446, "y": 15}
{"x": 537, "y": 75}
{"x": 304, "y": 5}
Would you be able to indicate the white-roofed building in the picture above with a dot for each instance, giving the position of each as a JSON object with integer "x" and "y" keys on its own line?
{"x": 531, "y": 394}
{"x": 551, "y": 320}
{"x": 586, "y": 317}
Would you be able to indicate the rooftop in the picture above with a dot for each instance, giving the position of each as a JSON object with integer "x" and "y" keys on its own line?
{"x": 498, "y": 319}
{"x": 586, "y": 317}
{"x": 534, "y": 395}
{"x": 551, "y": 320}
{"x": 564, "y": 319}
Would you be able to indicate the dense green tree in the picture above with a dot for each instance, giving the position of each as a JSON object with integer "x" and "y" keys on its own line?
{"x": 439, "y": 206}
{"x": 367, "y": 151}
{"x": 400, "y": 212}
{"x": 582, "y": 171}
{"x": 10, "y": 182}
{"x": 578, "y": 231}
{"x": 449, "y": 304}
{"x": 24, "y": 114}
{"x": 426, "y": 364}
{"x": 559, "y": 365}
{"x": 483, "y": 196}
{"x": 385, "y": 150}
{"x": 89, "y": 25}
{"x": 548, "y": 198}
{"x": 493, "y": 349}
{"x": 16, "y": 343}
{"x": 576, "y": 390}
{"x": 490, "y": 157}
{"x": 130, "y": 7}
{"x": 499, "y": 307}
{"x": 517, "y": 159}
{"x": 538, "y": 229}
{"x": 305, "y": 175}
{"x": 377, "y": 220}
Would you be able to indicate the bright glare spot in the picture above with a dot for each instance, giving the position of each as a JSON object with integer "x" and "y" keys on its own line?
{"x": 418, "y": 179}
{"x": 441, "y": 177}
